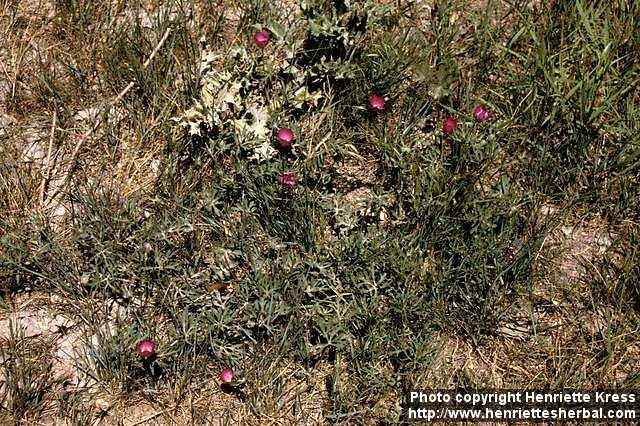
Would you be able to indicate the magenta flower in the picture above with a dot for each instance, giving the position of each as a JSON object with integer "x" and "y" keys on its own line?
{"x": 285, "y": 137}
{"x": 449, "y": 125}
{"x": 226, "y": 376}
{"x": 481, "y": 113}
{"x": 287, "y": 179}
{"x": 146, "y": 348}
{"x": 261, "y": 38}
{"x": 376, "y": 103}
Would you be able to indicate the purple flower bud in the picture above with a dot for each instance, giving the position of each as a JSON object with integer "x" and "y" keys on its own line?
{"x": 146, "y": 348}
{"x": 261, "y": 38}
{"x": 285, "y": 137}
{"x": 226, "y": 376}
{"x": 481, "y": 113}
{"x": 287, "y": 179}
{"x": 449, "y": 125}
{"x": 376, "y": 103}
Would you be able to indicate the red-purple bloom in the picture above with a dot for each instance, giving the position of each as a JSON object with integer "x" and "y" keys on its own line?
{"x": 481, "y": 113}
{"x": 376, "y": 103}
{"x": 285, "y": 137}
{"x": 287, "y": 179}
{"x": 449, "y": 125}
{"x": 226, "y": 375}
{"x": 261, "y": 38}
{"x": 146, "y": 348}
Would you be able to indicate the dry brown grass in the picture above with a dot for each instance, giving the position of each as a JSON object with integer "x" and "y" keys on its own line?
{"x": 561, "y": 335}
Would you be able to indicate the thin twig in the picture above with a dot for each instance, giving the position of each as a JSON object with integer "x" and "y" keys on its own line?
{"x": 47, "y": 173}
{"x": 146, "y": 419}
{"x": 117, "y": 99}
{"x": 144, "y": 66}
{"x": 121, "y": 95}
